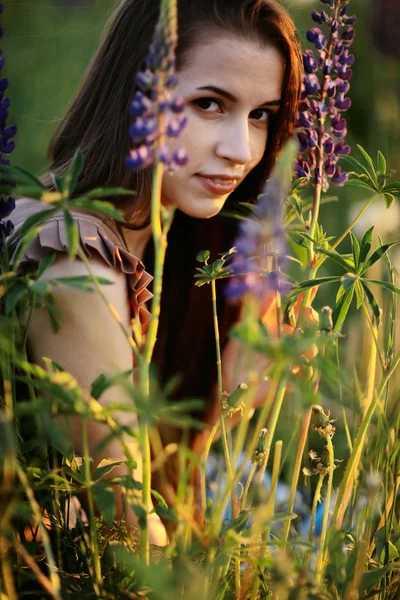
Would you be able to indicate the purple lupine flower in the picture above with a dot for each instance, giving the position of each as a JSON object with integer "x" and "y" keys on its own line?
{"x": 157, "y": 114}
{"x": 261, "y": 248}
{"x": 321, "y": 127}
{"x": 7, "y": 145}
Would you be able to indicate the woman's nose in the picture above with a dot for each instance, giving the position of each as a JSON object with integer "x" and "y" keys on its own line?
{"x": 234, "y": 143}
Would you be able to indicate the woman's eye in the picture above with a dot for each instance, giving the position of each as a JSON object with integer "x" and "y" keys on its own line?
{"x": 261, "y": 115}
{"x": 207, "y": 103}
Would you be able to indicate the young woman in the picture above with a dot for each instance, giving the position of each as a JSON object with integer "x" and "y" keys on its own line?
{"x": 239, "y": 65}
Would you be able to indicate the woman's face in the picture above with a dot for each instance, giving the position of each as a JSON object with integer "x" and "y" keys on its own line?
{"x": 231, "y": 86}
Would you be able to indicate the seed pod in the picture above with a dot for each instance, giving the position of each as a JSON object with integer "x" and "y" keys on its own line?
{"x": 261, "y": 449}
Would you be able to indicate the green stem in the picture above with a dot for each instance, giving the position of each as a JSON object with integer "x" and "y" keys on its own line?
{"x": 321, "y": 552}
{"x": 203, "y": 470}
{"x": 220, "y": 395}
{"x": 297, "y": 467}
{"x": 248, "y": 483}
{"x": 54, "y": 578}
{"x": 91, "y": 515}
{"x": 316, "y": 499}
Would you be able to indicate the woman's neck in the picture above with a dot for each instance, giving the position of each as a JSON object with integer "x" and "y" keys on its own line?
{"x": 135, "y": 239}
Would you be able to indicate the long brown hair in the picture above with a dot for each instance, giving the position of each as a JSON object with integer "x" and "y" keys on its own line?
{"x": 98, "y": 122}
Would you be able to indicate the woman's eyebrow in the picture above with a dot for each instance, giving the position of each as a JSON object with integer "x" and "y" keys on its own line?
{"x": 232, "y": 98}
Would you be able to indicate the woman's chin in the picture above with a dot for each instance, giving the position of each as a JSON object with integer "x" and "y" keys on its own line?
{"x": 204, "y": 208}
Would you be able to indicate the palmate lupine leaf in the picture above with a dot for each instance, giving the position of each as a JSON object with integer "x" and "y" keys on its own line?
{"x": 366, "y": 244}
{"x": 374, "y": 177}
{"x": 355, "y": 247}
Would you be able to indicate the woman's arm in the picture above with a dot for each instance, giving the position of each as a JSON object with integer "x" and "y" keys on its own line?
{"x": 92, "y": 342}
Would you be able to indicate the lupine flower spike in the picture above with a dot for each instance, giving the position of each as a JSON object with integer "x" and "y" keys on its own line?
{"x": 157, "y": 112}
{"x": 7, "y": 145}
{"x": 261, "y": 248}
{"x": 321, "y": 127}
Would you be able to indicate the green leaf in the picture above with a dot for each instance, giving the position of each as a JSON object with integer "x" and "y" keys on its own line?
{"x": 389, "y": 199}
{"x": 385, "y": 284}
{"x": 360, "y": 183}
{"x": 106, "y": 466}
{"x": 371, "y": 578}
{"x": 100, "y": 207}
{"x": 377, "y": 255}
{"x": 36, "y": 219}
{"x": 45, "y": 262}
{"x": 368, "y": 160}
{"x": 22, "y": 177}
{"x": 73, "y": 173}
{"x": 335, "y": 256}
{"x": 348, "y": 280}
{"x": 342, "y": 308}
{"x": 366, "y": 244}
{"x": 14, "y": 294}
{"x": 309, "y": 283}
{"x": 359, "y": 167}
{"x": 103, "y": 495}
{"x": 203, "y": 256}
{"x": 376, "y": 311}
{"x": 166, "y": 513}
{"x": 359, "y": 290}
{"x": 381, "y": 162}
{"x": 58, "y": 182}
{"x": 355, "y": 246}
{"x": 40, "y": 287}
{"x": 394, "y": 186}
{"x": 81, "y": 282}
{"x": 109, "y": 191}
{"x": 72, "y": 234}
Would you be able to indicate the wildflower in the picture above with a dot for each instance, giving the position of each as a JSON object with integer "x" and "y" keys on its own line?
{"x": 321, "y": 422}
{"x": 261, "y": 450}
{"x": 323, "y": 99}
{"x": 157, "y": 113}
{"x": 7, "y": 145}
{"x": 235, "y": 402}
{"x": 261, "y": 248}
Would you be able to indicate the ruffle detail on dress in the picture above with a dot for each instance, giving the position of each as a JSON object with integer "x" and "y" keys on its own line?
{"x": 94, "y": 235}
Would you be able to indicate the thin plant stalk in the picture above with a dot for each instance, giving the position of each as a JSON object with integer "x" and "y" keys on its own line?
{"x": 54, "y": 578}
{"x": 297, "y": 468}
{"x": 92, "y": 523}
{"x": 316, "y": 500}
{"x": 248, "y": 483}
{"x": 220, "y": 390}
{"x": 203, "y": 486}
{"x": 321, "y": 552}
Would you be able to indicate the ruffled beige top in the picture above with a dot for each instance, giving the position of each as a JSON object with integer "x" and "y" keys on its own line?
{"x": 95, "y": 236}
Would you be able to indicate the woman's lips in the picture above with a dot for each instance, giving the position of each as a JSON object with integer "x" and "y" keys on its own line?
{"x": 220, "y": 189}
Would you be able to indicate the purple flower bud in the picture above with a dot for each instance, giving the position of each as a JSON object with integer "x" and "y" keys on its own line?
{"x": 9, "y": 132}
{"x": 304, "y": 106}
{"x": 309, "y": 61}
{"x": 328, "y": 145}
{"x": 330, "y": 88}
{"x": 303, "y": 139}
{"x": 164, "y": 156}
{"x": 6, "y": 207}
{"x": 305, "y": 119}
{"x": 317, "y": 177}
{"x": 175, "y": 127}
{"x": 339, "y": 178}
{"x": 342, "y": 149}
{"x": 171, "y": 81}
{"x": 178, "y": 105}
{"x": 343, "y": 86}
{"x": 338, "y": 124}
{"x": 315, "y": 36}
{"x": 338, "y": 49}
{"x": 334, "y": 26}
{"x": 303, "y": 169}
{"x": 144, "y": 80}
{"x": 142, "y": 127}
{"x": 343, "y": 103}
{"x": 180, "y": 157}
{"x": 311, "y": 84}
{"x": 3, "y": 85}
{"x": 350, "y": 20}
{"x": 343, "y": 11}
{"x": 312, "y": 138}
{"x": 7, "y": 148}
{"x": 328, "y": 65}
{"x": 348, "y": 35}
{"x": 319, "y": 17}
{"x": 346, "y": 58}
{"x": 330, "y": 167}
{"x": 139, "y": 158}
